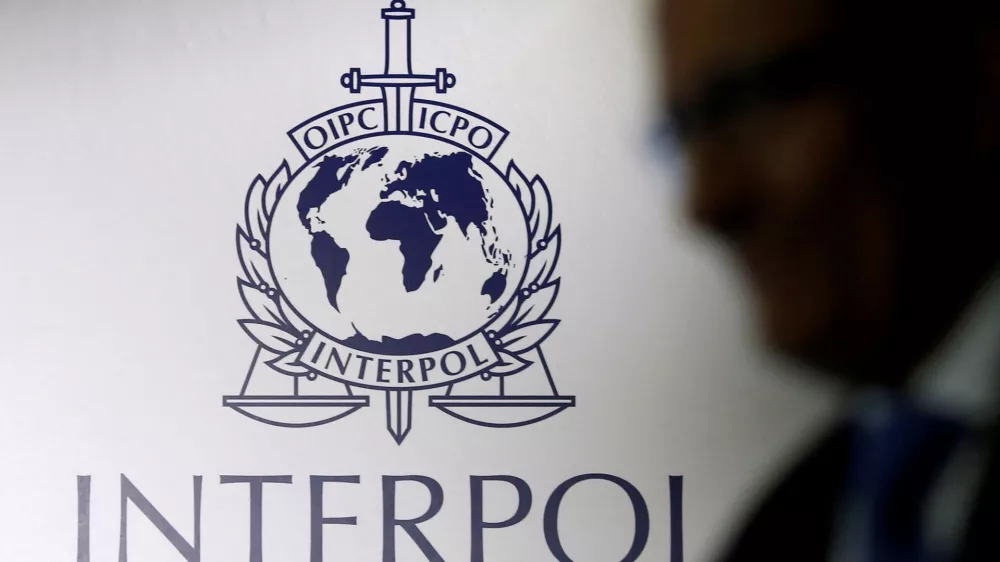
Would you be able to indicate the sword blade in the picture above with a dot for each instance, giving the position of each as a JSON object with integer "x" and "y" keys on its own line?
{"x": 399, "y": 108}
{"x": 399, "y": 413}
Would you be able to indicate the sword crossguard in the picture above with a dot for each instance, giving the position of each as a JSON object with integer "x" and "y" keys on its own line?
{"x": 442, "y": 80}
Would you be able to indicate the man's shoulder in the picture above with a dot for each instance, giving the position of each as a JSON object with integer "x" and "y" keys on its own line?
{"x": 795, "y": 518}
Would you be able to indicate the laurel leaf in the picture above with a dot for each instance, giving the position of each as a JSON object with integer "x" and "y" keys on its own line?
{"x": 288, "y": 364}
{"x": 540, "y": 219}
{"x": 511, "y": 365}
{"x": 536, "y": 306}
{"x": 256, "y": 218}
{"x": 260, "y": 305}
{"x": 522, "y": 188}
{"x": 253, "y": 262}
{"x": 503, "y": 319}
{"x": 269, "y": 336}
{"x": 275, "y": 186}
{"x": 291, "y": 317}
{"x": 542, "y": 263}
{"x": 528, "y": 336}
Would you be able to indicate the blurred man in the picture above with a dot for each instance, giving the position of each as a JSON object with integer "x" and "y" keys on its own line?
{"x": 848, "y": 153}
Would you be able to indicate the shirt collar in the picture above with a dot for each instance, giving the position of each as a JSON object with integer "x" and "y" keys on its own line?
{"x": 962, "y": 377}
{"x": 960, "y": 380}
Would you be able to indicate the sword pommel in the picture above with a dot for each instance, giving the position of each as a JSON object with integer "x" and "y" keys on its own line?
{"x": 398, "y": 11}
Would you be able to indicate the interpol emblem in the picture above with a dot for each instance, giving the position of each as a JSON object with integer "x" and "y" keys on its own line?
{"x": 397, "y": 257}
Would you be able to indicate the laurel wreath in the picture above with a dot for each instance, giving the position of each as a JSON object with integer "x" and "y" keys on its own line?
{"x": 518, "y": 329}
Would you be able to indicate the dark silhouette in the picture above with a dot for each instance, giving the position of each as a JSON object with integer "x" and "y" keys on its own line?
{"x": 847, "y": 152}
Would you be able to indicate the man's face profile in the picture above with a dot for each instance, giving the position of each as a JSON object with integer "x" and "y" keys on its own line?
{"x": 788, "y": 167}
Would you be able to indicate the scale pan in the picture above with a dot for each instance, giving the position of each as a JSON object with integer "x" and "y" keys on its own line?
{"x": 295, "y": 411}
{"x": 502, "y": 411}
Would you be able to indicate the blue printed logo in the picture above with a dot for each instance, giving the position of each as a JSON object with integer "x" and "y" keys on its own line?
{"x": 398, "y": 258}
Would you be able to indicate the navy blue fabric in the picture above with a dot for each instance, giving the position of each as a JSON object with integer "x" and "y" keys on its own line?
{"x": 895, "y": 463}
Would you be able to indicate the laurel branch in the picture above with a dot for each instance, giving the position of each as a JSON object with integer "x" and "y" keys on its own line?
{"x": 518, "y": 329}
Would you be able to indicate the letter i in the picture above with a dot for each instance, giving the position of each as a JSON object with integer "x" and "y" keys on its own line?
{"x": 423, "y": 118}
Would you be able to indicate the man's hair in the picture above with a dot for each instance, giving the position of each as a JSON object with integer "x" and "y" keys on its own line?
{"x": 928, "y": 85}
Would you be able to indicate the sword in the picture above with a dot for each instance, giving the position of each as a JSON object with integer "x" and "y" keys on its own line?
{"x": 397, "y": 81}
{"x": 398, "y": 84}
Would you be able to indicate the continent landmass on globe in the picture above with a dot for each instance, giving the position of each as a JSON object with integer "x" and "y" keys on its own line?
{"x": 416, "y": 202}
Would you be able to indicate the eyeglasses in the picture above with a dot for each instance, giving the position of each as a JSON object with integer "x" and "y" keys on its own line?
{"x": 773, "y": 83}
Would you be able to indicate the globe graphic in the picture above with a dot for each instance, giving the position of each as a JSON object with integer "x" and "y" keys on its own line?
{"x": 398, "y": 244}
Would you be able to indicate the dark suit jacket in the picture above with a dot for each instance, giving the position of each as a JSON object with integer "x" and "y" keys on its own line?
{"x": 796, "y": 520}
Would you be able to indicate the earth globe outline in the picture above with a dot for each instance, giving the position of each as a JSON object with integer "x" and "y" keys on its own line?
{"x": 512, "y": 300}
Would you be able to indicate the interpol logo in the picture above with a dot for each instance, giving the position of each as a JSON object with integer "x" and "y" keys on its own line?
{"x": 397, "y": 257}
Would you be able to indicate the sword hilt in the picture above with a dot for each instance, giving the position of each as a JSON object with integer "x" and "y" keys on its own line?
{"x": 398, "y": 72}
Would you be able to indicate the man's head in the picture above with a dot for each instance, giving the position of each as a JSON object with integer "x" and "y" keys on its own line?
{"x": 847, "y": 151}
